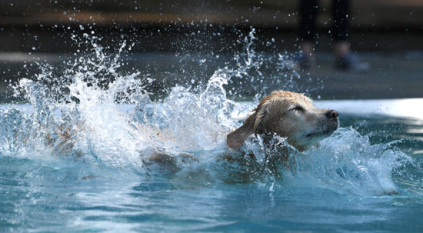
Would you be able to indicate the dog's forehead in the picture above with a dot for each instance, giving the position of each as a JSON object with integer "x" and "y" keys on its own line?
{"x": 288, "y": 98}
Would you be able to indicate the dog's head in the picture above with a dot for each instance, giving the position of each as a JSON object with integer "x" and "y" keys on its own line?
{"x": 289, "y": 115}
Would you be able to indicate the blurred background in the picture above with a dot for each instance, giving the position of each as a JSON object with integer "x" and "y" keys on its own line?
{"x": 170, "y": 38}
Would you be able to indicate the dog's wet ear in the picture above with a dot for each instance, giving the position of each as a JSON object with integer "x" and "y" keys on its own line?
{"x": 235, "y": 139}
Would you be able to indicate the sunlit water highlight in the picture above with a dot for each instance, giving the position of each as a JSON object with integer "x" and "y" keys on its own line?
{"x": 366, "y": 176}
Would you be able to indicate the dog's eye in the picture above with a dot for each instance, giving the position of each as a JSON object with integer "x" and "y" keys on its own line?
{"x": 298, "y": 108}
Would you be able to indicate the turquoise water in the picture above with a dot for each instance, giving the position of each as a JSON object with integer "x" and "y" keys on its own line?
{"x": 366, "y": 177}
{"x": 56, "y": 193}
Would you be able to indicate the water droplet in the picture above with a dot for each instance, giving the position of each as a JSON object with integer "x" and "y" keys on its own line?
{"x": 64, "y": 12}
{"x": 33, "y": 48}
{"x": 81, "y": 27}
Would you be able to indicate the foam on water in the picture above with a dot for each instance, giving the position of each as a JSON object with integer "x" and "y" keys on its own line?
{"x": 116, "y": 126}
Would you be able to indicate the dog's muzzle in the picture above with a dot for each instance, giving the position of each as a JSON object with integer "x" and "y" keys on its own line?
{"x": 328, "y": 125}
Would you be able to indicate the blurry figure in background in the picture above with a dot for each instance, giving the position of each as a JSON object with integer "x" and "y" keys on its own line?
{"x": 345, "y": 59}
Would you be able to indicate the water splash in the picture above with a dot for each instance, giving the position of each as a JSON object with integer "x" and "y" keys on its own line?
{"x": 94, "y": 113}
{"x": 348, "y": 162}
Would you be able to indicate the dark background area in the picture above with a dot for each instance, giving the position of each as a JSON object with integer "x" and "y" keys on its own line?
{"x": 386, "y": 33}
{"x": 162, "y": 25}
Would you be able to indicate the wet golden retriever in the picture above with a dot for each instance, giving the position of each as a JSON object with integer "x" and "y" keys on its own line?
{"x": 286, "y": 114}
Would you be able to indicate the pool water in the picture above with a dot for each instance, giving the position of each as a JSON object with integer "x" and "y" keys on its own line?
{"x": 57, "y": 193}
{"x": 366, "y": 177}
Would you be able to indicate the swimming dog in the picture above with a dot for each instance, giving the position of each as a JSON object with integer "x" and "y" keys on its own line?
{"x": 283, "y": 113}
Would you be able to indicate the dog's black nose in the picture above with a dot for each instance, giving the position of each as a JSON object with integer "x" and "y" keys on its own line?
{"x": 331, "y": 114}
